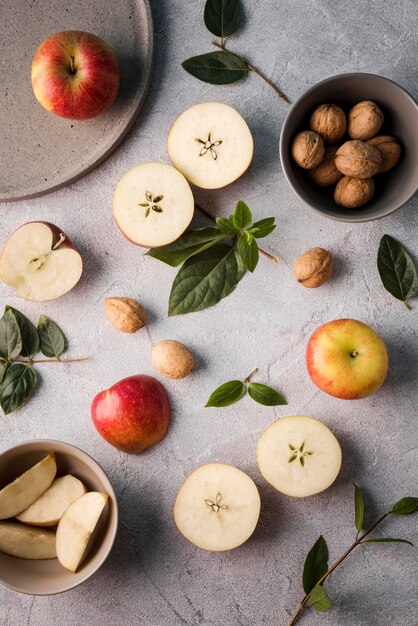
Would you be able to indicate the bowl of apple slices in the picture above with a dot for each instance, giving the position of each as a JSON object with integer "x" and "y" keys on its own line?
{"x": 58, "y": 517}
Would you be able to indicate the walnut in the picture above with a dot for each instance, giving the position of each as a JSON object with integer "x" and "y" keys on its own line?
{"x": 329, "y": 121}
{"x": 326, "y": 173}
{"x": 313, "y": 267}
{"x": 364, "y": 120}
{"x": 358, "y": 159}
{"x": 354, "y": 192}
{"x": 308, "y": 149}
{"x": 125, "y": 314}
{"x": 389, "y": 149}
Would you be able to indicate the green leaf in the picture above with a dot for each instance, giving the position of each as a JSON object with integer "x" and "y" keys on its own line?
{"x": 242, "y": 216}
{"x": 16, "y": 386}
{"x": 316, "y": 564}
{"x": 189, "y": 244}
{"x": 222, "y": 17}
{"x": 387, "y": 540}
{"x": 318, "y": 598}
{"x": 226, "y": 227}
{"x": 30, "y": 337}
{"x": 406, "y": 506}
{"x": 359, "y": 508}
{"x": 263, "y": 394}
{"x": 3, "y": 369}
{"x": 227, "y": 394}
{"x": 217, "y": 68}
{"x": 10, "y": 336}
{"x": 248, "y": 250}
{"x": 262, "y": 228}
{"x": 397, "y": 270}
{"x": 205, "y": 279}
{"x": 52, "y": 338}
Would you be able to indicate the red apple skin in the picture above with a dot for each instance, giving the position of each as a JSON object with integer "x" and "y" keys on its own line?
{"x": 347, "y": 359}
{"x": 133, "y": 414}
{"x": 75, "y": 75}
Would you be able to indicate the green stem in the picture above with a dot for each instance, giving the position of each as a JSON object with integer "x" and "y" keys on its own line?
{"x": 248, "y": 378}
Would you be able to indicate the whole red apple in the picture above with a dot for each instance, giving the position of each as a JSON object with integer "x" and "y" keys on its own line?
{"x": 133, "y": 414}
{"x": 75, "y": 75}
{"x": 347, "y": 359}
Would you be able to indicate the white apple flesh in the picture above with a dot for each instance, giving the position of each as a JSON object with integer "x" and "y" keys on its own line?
{"x": 299, "y": 456}
{"x": 40, "y": 262}
{"x": 22, "y": 492}
{"x": 26, "y": 542}
{"x": 76, "y": 527}
{"x": 48, "y": 509}
{"x": 153, "y": 205}
{"x": 211, "y": 144}
{"x": 217, "y": 507}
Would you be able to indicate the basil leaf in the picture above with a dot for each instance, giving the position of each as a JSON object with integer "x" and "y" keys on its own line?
{"x": 318, "y": 598}
{"x": 222, "y": 17}
{"x": 217, "y": 68}
{"x": 227, "y": 394}
{"x": 51, "y": 337}
{"x": 387, "y": 540}
{"x": 205, "y": 279}
{"x": 359, "y": 508}
{"x": 263, "y": 394}
{"x": 397, "y": 270}
{"x": 16, "y": 386}
{"x": 30, "y": 337}
{"x": 10, "y": 336}
{"x": 189, "y": 244}
{"x": 406, "y": 506}
{"x": 262, "y": 228}
{"x": 248, "y": 250}
{"x": 316, "y": 564}
{"x": 226, "y": 227}
{"x": 242, "y": 216}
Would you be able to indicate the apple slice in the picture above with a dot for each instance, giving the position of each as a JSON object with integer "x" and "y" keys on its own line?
{"x": 76, "y": 527}
{"x": 210, "y": 144}
{"x": 22, "y": 492}
{"x": 40, "y": 262}
{"x": 153, "y": 204}
{"x": 26, "y": 542}
{"x": 48, "y": 509}
{"x": 217, "y": 507}
{"x": 299, "y": 456}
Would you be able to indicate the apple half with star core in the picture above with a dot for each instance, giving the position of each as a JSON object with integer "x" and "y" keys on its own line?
{"x": 75, "y": 75}
{"x": 347, "y": 359}
{"x": 133, "y": 414}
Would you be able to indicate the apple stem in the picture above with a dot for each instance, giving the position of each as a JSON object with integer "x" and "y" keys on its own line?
{"x": 72, "y": 67}
{"x": 60, "y": 241}
{"x": 87, "y": 358}
{"x": 248, "y": 378}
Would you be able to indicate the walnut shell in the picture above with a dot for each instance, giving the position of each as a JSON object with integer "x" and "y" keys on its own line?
{"x": 308, "y": 149}
{"x": 172, "y": 359}
{"x": 358, "y": 159}
{"x": 125, "y": 314}
{"x": 364, "y": 120}
{"x": 354, "y": 192}
{"x": 389, "y": 149}
{"x": 326, "y": 173}
{"x": 313, "y": 267}
{"x": 329, "y": 121}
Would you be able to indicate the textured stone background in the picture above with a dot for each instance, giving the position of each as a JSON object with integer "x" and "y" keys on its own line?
{"x": 153, "y": 576}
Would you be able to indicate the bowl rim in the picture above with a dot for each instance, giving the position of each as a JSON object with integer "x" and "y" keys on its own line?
{"x": 353, "y": 219}
{"x": 50, "y": 443}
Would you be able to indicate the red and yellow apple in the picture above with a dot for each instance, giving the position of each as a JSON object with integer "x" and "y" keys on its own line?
{"x": 347, "y": 359}
{"x": 133, "y": 414}
{"x": 75, "y": 75}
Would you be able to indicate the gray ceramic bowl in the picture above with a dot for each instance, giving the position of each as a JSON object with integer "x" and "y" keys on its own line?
{"x": 395, "y": 187}
{"x": 49, "y": 577}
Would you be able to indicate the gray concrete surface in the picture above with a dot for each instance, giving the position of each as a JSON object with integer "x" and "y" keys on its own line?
{"x": 153, "y": 576}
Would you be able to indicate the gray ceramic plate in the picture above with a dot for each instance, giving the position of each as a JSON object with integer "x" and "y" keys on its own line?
{"x": 40, "y": 151}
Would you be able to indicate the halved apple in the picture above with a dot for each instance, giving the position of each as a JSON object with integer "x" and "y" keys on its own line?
{"x": 48, "y": 509}
{"x": 22, "y": 492}
{"x": 40, "y": 262}
{"x": 299, "y": 456}
{"x": 76, "y": 527}
{"x": 217, "y": 507}
{"x": 211, "y": 144}
{"x": 26, "y": 542}
{"x": 153, "y": 204}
